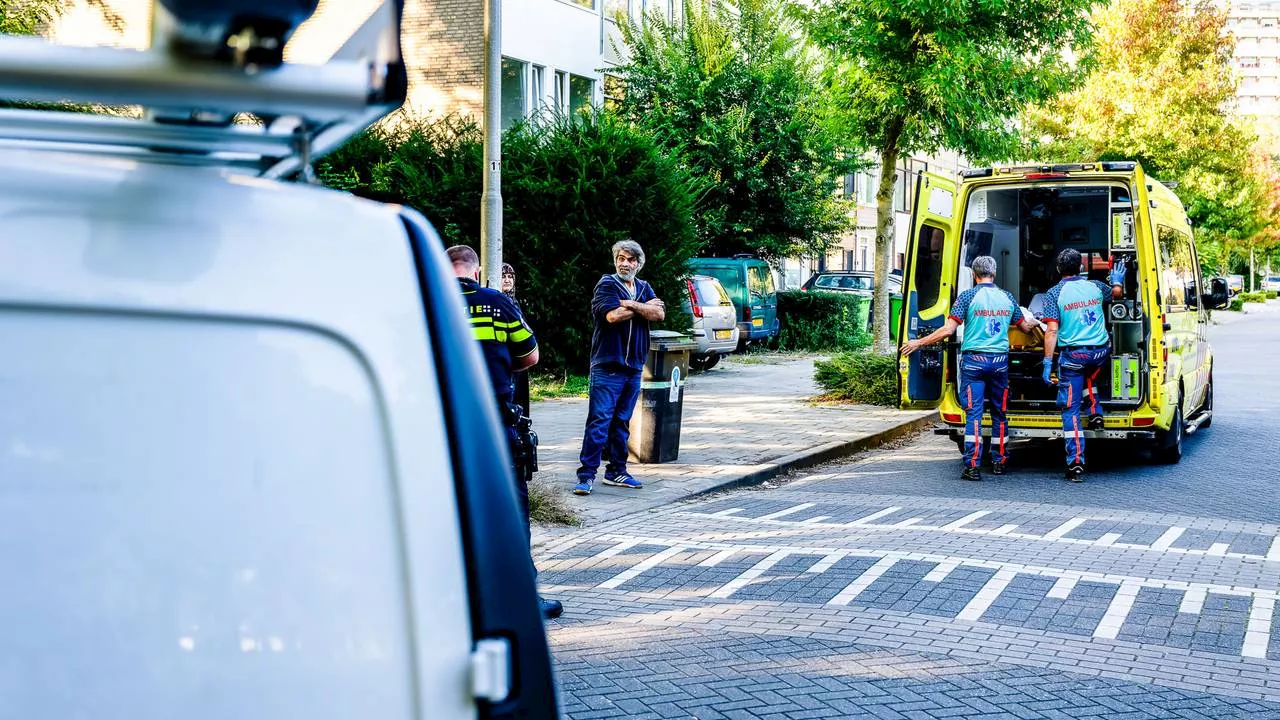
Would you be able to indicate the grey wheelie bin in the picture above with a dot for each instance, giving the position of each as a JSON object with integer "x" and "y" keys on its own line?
{"x": 655, "y": 424}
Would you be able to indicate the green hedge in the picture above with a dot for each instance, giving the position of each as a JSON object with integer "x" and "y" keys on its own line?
{"x": 1237, "y": 304}
{"x": 571, "y": 187}
{"x": 861, "y": 377}
{"x": 1254, "y": 297}
{"x": 1272, "y": 294}
{"x": 822, "y": 321}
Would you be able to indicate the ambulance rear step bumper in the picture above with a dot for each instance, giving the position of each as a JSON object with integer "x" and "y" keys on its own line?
{"x": 1053, "y": 434}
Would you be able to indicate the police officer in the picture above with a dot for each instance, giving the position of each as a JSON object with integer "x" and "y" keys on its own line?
{"x": 509, "y": 346}
{"x": 1077, "y": 325}
{"x": 987, "y": 312}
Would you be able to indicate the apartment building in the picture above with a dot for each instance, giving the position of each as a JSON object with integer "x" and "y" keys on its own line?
{"x": 1256, "y": 27}
{"x": 555, "y": 52}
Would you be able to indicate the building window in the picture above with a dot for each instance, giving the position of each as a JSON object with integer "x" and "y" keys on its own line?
{"x": 615, "y": 8}
{"x": 581, "y": 92}
{"x": 560, "y": 92}
{"x": 537, "y": 88}
{"x": 848, "y": 260}
{"x": 613, "y": 91}
{"x": 514, "y": 92}
{"x": 590, "y": 4}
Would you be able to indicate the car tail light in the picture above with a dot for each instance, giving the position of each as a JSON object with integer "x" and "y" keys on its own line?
{"x": 952, "y": 417}
{"x": 746, "y": 312}
{"x": 693, "y": 300}
{"x": 1144, "y": 421}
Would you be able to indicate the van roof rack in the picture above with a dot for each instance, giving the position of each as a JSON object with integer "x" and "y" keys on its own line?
{"x": 268, "y": 120}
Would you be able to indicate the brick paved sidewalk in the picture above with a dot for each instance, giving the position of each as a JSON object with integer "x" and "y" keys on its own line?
{"x": 746, "y": 420}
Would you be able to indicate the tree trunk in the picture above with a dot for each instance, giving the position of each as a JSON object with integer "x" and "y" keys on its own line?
{"x": 884, "y": 241}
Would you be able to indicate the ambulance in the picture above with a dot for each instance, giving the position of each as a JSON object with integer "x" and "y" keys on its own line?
{"x": 1160, "y": 385}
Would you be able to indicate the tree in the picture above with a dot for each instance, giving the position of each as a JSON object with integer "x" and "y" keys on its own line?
{"x": 572, "y": 186}
{"x": 733, "y": 93}
{"x": 917, "y": 76}
{"x": 26, "y": 17}
{"x": 1163, "y": 94}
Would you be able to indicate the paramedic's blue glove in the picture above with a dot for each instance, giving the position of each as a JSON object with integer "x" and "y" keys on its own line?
{"x": 1118, "y": 271}
{"x": 1048, "y": 372}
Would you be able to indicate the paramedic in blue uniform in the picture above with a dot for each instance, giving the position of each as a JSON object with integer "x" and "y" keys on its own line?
{"x": 508, "y": 346}
{"x": 1077, "y": 326}
{"x": 987, "y": 312}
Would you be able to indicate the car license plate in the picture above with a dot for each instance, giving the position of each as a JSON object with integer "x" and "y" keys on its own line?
{"x": 723, "y": 334}
{"x": 757, "y": 322}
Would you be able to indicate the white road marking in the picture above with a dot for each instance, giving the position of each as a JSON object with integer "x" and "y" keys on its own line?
{"x": 560, "y": 547}
{"x": 815, "y": 519}
{"x": 750, "y": 574}
{"x": 1162, "y": 544}
{"x": 788, "y": 511}
{"x": 1064, "y": 528}
{"x": 941, "y": 571}
{"x": 651, "y": 562}
{"x": 718, "y": 558}
{"x": 1121, "y": 603}
{"x": 726, "y": 513}
{"x": 855, "y": 588}
{"x": 957, "y": 524}
{"x": 1165, "y": 541}
{"x": 1107, "y": 540}
{"x": 987, "y": 595}
{"x": 1258, "y": 632}
{"x": 618, "y": 549}
{"x": 1193, "y": 601}
{"x": 873, "y": 516}
{"x": 1062, "y": 588}
{"x": 826, "y": 562}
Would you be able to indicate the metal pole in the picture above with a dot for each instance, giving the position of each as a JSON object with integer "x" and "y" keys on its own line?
{"x": 491, "y": 198}
{"x": 1252, "y": 273}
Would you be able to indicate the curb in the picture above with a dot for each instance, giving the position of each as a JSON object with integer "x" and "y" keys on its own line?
{"x": 544, "y": 536}
{"x": 817, "y": 456}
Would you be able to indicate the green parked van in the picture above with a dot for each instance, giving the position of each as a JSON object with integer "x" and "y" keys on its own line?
{"x": 749, "y": 282}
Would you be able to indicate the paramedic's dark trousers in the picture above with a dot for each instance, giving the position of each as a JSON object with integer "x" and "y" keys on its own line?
{"x": 984, "y": 377}
{"x": 1078, "y": 370}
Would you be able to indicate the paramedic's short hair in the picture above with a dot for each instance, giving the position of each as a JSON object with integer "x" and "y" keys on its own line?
{"x": 984, "y": 266}
{"x": 463, "y": 255}
{"x": 1069, "y": 262}
{"x": 631, "y": 247}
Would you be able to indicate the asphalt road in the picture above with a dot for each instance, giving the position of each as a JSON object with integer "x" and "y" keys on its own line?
{"x": 885, "y": 587}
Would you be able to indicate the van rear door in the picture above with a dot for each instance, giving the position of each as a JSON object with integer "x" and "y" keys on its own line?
{"x": 927, "y": 282}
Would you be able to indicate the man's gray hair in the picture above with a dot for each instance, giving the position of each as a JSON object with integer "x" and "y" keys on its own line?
{"x": 984, "y": 266}
{"x": 632, "y": 247}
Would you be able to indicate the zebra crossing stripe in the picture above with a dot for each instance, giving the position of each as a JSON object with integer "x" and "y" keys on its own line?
{"x": 1193, "y": 601}
{"x": 957, "y": 524}
{"x": 941, "y": 571}
{"x": 1064, "y": 528}
{"x": 1061, "y": 589}
{"x": 874, "y": 516}
{"x": 855, "y": 588}
{"x": 987, "y": 595}
{"x": 718, "y": 558}
{"x": 750, "y": 574}
{"x": 826, "y": 562}
{"x": 1258, "y": 632}
{"x": 618, "y": 549}
{"x": 1121, "y": 603}
{"x": 789, "y": 511}
{"x": 1274, "y": 552}
{"x": 649, "y": 563}
{"x": 1165, "y": 541}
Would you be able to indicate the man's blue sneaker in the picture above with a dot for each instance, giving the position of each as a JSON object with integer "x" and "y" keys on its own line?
{"x": 624, "y": 480}
{"x": 583, "y": 487}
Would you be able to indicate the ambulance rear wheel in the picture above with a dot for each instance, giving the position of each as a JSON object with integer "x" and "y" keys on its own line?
{"x": 1169, "y": 451}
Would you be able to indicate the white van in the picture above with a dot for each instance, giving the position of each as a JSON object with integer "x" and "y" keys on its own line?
{"x": 250, "y": 465}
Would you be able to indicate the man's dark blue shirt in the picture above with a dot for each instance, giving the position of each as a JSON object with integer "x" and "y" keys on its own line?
{"x": 625, "y": 344}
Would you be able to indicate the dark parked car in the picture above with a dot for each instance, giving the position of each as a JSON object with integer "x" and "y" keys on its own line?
{"x": 849, "y": 281}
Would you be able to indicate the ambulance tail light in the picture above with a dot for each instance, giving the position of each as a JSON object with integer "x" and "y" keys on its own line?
{"x": 1045, "y": 176}
{"x": 1144, "y": 421}
{"x": 953, "y": 418}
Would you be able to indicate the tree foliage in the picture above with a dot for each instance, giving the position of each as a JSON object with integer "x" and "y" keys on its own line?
{"x": 733, "y": 93}
{"x": 571, "y": 187}
{"x": 923, "y": 75}
{"x": 27, "y": 17}
{"x": 1163, "y": 94}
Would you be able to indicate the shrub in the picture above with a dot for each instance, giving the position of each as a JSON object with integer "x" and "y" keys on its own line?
{"x": 862, "y": 377}
{"x": 822, "y": 321}
{"x": 1237, "y": 304}
{"x": 549, "y": 503}
{"x": 1272, "y": 294}
{"x": 572, "y": 186}
{"x": 1253, "y": 297}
